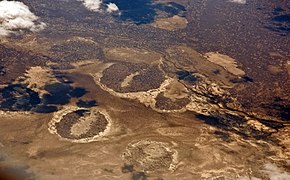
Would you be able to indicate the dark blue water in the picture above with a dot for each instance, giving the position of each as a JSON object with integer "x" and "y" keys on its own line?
{"x": 144, "y": 11}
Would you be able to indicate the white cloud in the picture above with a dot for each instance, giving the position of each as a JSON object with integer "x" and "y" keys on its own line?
{"x": 92, "y": 5}
{"x": 15, "y": 16}
{"x": 112, "y": 7}
{"x": 275, "y": 173}
{"x": 239, "y": 1}
{"x": 97, "y": 5}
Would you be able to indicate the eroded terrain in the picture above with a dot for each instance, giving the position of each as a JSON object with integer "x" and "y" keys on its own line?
{"x": 128, "y": 97}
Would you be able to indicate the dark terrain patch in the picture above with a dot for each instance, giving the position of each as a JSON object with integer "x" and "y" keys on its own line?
{"x": 150, "y": 77}
{"x": 139, "y": 176}
{"x": 217, "y": 71}
{"x": 62, "y": 77}
{"x": 61, "y": 94}
{"x": 76, "y": 50}
{"x": 243, "y": 79}
{"x": 278, "y": 109}
{"x": 64, "y": 126}
{"x": 165, "y": 103}
{"x": 277, "y": 10}
{"x": 127, "y": 168}
{"x": 15, "y": 173}
{"x": 223, "y": 135}
{"x": 280, "y": 21}
{"x": 16, "y": 97}
{"x": 273, "y": 124}
{"x": 136, "y": 175}
{"x": 77, "y": 92}
{"x": 237, "y": 125}
{"x": 186, "y": 76}
{"x": 282, "y": 18}
{"x": 86, "y": 104}
{"x": 13, "y": 63}
{"x": 2, "y": 71}
{"x": 41, "y": 108}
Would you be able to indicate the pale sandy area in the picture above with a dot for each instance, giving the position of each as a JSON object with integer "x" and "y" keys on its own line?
{"x": 225, "y": 61}
{"x": 171, "y": 24}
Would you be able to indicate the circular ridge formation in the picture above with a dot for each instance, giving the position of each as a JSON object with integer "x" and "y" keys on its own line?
{"x": 80, "y": 125}
{"x": 148, "y": 155}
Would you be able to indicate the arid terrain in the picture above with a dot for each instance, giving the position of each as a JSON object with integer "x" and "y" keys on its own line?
{"x": 161, "y": 89}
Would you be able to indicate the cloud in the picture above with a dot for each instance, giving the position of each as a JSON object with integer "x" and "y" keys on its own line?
{"x": 15, "y": 16}
{"x": 275, "y": 173}
{"x": 97, "y": 5}
{"x": 112, "y": 7}
{"x": 239, "y": 1}
{"x": 92, "y": 5}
